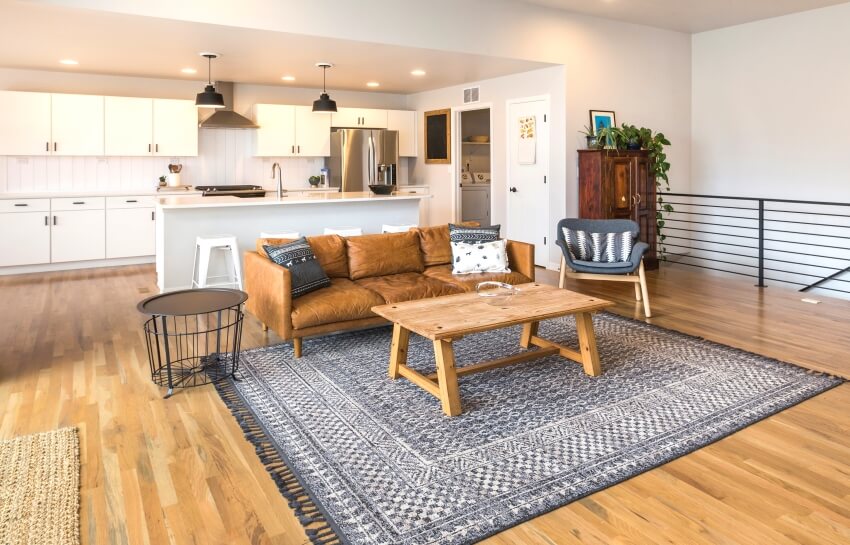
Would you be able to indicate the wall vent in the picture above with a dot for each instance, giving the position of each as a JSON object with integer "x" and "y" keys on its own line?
{"x": 470, "y": 95}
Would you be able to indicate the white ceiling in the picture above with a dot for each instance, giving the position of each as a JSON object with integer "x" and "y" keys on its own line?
{"x": 37, "y": 36}
{"x": 686, "y": 15}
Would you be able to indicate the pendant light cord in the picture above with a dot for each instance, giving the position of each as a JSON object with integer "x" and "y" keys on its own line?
{"x": 324, "y": 79}
{"x": 209, "y": 70}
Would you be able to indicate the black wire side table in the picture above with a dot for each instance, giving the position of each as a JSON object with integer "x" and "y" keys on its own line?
{"x": 193, "y": 336}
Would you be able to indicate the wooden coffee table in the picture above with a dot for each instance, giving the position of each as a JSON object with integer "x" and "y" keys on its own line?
{"x": 449, "y": 318}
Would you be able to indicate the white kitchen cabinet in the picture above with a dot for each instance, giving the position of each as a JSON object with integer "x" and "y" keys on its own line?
{"x": 30, "y": 244}
{"x": 276, "y": 135}
{"x": 363, "y": 118}
{"x": 78, "y": 235}
{"x": 404, "y": 122}
{"x": 312, "y": 132}
{"x": 175, "y": 128}
{"x": 128, "y": 126}
{"x": 130, "y": 232}
{"x": 76, "y": 124}
{"x": 25, "y": 129}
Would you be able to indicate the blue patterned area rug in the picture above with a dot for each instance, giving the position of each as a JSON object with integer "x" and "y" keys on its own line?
{"x": 364, "y": 459}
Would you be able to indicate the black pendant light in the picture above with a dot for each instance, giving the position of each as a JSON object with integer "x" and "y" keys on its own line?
{"x": 209, "y": 98}
{"x": 324, "y": 104}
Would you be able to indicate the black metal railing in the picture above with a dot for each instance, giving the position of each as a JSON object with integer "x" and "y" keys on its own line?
{"x": 801, "y": 243}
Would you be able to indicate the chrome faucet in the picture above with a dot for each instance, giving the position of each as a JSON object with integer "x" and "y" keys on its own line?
{"x": 280, "y": 189}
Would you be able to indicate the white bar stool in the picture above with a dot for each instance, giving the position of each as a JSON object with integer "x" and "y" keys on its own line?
{"x": 397, "y": 228}
{"x": 344, "y": 231}
{"x": 287, "y": 234}
{"x": 203, "y": 251}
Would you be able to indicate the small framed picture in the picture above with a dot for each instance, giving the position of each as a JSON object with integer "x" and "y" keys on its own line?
{"x": 602, "y": 119}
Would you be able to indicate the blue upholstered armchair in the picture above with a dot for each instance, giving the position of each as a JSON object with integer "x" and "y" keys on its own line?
{"x": 621, "y": 271}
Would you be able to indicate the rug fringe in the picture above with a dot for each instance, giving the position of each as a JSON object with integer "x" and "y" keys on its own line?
{"x": 316, "y": 525}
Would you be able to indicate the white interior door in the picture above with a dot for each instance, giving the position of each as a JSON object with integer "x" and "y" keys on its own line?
{"x": 129, "y": 126}
{"x": 175, "y": 128}
{"x": 528, "y": 175}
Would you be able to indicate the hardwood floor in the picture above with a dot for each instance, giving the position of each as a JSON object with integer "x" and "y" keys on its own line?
{"x": 179, "y": 471}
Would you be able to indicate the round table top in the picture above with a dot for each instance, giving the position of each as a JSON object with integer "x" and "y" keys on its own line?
{"x": 188, "y": 302}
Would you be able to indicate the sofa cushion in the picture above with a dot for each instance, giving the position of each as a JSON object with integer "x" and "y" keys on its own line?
{"x": 306, "y": 272}
{"x": 395, "y": 288}
{"x": 328, "y": 249}
{"x": 434, "y": 243}
{"x": 473, "y": 235}
{"x": 467, "y": 282}
{"x": 380, "y": 255}
{"x": 342, "y": 300}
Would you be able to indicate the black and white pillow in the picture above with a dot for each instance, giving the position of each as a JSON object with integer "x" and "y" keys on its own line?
{"x": 484, "y": 257}
{"x": 298, "y": 257}
{"x": 473, "y": 235}
{"x": 599, "y": 247}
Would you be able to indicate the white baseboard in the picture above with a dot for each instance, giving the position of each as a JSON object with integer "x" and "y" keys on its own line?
{"x": 72, "y": 265}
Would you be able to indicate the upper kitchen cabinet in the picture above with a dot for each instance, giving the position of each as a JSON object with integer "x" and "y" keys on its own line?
{"x": 128, "y": 126}
{"x": 291, "y": 131}
{"x": 175, "y": 128}
{"x": 77, "y": 124}
{"x": 404, "y": 122}
{"x": 360, "y": 118}
{"x": 146, "y": 126}
{"x": 25, "y": 129}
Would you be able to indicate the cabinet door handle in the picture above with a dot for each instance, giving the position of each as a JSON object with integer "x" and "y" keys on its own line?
{"x": 54, "y": 220}
{"x": 293, "y": 149}
{"x": 46, "y": 221}
{"x": 21, "y": 204}
{"x": 131, "y": 200}
{"x": 639, "y": 198}
{"x": 79, "y": 202}
{"x": 299, "y": 149}
{"x": 55, "y": 146}
{"x": 156, "y": 148}
{"x": 149, "y": 148}
{"x": 153, "y": 216}
{"x": 47, "y": 146}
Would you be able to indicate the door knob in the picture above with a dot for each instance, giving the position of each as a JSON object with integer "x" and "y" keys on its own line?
{"x": 513, "y": 190}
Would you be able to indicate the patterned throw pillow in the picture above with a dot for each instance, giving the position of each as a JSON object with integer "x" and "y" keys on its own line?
{"x": 599, "y": 247}
{"x": 483, "y": 257}
{"x": 298, "y": 257}
{"x": 473, "y": 235}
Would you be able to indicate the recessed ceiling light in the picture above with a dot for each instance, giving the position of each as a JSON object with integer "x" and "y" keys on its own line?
{"x": 373, "y": 84}
{"x": 69, "y": 62}
{"x": 288, "y": 78}
{"x": 189, "y": 71}
{"x": 417, "y": 72}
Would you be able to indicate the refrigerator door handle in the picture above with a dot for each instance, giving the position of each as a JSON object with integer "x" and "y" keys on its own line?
{"x": 343, "y": 154}
{"x": 372, "y": 159}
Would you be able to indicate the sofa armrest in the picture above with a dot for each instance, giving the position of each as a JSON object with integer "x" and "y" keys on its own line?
{"x": 521, "y": 258}
{"x": 269, "y": 289}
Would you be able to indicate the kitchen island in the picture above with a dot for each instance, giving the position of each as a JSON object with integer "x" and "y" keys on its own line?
{"x": 180, "y": 219}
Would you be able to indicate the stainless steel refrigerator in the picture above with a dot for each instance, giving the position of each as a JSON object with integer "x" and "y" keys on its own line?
{"x": 363, "y": 157}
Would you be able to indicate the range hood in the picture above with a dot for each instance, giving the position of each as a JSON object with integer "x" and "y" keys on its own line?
{"x": 226, "y": 118}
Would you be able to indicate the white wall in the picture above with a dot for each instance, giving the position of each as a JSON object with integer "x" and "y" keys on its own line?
{"x": 495, "y": 93}
{"x": 770, "y": 108}
{"x": 225, "y": 156}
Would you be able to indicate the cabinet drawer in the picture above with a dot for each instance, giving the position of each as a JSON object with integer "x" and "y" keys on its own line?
{"x": 25, "y": 205}
{"x": 78, "y": 203}
{"x": 143, "y": 201}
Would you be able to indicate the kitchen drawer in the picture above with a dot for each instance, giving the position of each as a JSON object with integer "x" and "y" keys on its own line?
{"x": 143, "y": 201}
{"x": 78, "y": 203}
{"x": 24, "y": 205}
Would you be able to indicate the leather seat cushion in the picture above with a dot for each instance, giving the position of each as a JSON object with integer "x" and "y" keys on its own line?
{"x": 396, "y": 288}
{"x": 467, "y": 282}
{"x": 434, "y": 243}
{"x": 328, "y": 249}
{"x": 380, "y": 255}
{"x": 342, "y": 300}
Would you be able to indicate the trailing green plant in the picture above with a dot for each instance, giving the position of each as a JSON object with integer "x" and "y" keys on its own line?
{"x": 625, "y": 136}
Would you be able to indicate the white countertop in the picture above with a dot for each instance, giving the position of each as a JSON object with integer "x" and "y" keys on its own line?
{"x": 94, "y": 193}
{"x": 272, "y": 200}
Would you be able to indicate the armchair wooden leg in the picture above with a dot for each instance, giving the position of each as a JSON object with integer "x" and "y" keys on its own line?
{"x": 637, "y": 290}
{"x": 296, "y": 346}
{"x": 644, "y": 291}
{"x": 264, "y": 326}
{"x": 563, "y": 279}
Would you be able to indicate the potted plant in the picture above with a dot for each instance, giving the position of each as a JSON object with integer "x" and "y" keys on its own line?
{"x": 314, "y": 181}
{"x": 631, "y": 137}
{"x": 592, "y": 139}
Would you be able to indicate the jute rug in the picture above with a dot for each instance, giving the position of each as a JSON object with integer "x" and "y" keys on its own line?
{"x": 39, "y": 489}
{"x": 364, "y": 459}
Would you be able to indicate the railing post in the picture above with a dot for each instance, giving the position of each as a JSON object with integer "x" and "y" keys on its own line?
{"x": 761, "y": 245}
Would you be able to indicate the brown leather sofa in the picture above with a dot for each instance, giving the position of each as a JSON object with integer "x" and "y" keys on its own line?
{"x": 365, "y": 271}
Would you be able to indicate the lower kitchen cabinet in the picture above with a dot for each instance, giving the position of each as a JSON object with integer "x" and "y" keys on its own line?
{"x": 78, "y": 235}
{"x": 130, "y": 232}
{"x": 30, "y": 244}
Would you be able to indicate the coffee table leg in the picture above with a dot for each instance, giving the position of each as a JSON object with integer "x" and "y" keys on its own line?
{"x": 529, "y": 330}
{"x": 447, "y": 377}
{"x": 587, "y": 344}
{"x": 398, "y": 355}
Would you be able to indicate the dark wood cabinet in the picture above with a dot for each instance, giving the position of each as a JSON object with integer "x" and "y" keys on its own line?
{"x": 619, "y": 184}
